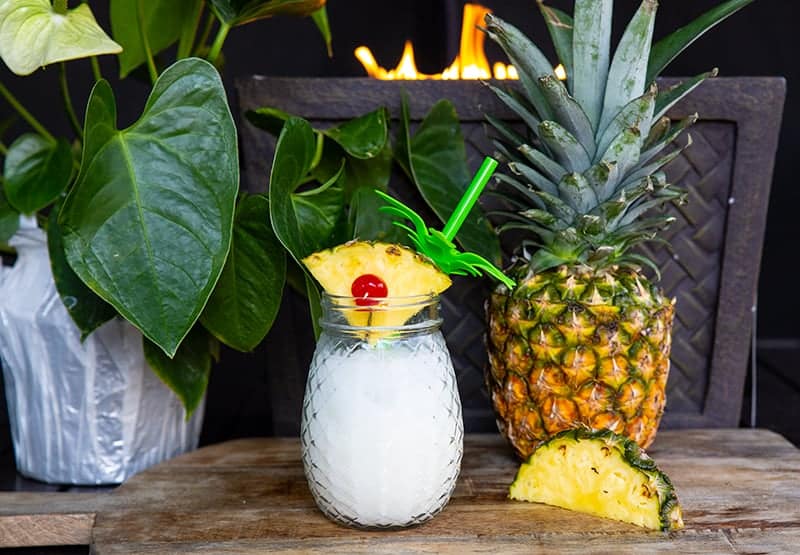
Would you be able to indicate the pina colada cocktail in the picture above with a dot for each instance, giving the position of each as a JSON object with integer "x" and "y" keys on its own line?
{"x": 382, "y": 431}
{"x": 381, "y": 427}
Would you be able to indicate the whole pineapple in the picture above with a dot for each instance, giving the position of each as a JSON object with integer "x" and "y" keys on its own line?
{"x": 584, "y": 337}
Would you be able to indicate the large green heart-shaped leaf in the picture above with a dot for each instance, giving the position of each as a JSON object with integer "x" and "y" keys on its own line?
{"x": 188, "y": 371}
{"x": 362, "y": 137}
{"x": 370, "y": 172}
{"x": 87, "y": 310}
{"x": 237, "y": 12}
{"x": 245, "y": 302}
{"x": 268, "y": 118}
{"x": 302, "y": 221}
{"x": 33, "y": 34}
{"x": 9, "y": 218}
{"x": 362, "y": 142}
{"x": 147, "y": 225}
{"x": 163, "y": 23}
{"x": 320, "y": 213}
{"x": 435, "y": 159}
{"x": 373, "y": 172}
{"x": 36, "y": 171}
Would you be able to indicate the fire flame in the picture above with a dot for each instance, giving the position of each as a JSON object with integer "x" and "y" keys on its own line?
{"x": 471, "y": 62}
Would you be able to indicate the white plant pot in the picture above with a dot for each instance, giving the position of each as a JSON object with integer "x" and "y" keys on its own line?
{"x": 88, "y": 412}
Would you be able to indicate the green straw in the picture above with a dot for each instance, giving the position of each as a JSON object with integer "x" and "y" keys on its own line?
{"x": 438, "y": 245}
{"x": 471, "y": 195}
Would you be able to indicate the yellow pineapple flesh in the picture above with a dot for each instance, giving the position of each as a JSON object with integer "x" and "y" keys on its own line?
{"x": 404, "y": 272}
{"x": 600, "y": 473}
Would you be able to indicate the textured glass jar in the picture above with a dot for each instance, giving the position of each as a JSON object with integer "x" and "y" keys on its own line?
{"x": 381, "y": 431}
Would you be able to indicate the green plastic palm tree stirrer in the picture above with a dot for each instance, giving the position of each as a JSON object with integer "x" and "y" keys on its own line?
{"x": 438, "y": 245}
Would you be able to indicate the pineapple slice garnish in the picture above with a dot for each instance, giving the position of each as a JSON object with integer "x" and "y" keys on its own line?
{"x": 379, "y": 275}
{"x": 600, "y": 473}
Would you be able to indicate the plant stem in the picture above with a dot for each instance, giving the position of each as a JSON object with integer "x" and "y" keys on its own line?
{"x": 206, "y": 32}
{"x": 219, "y": 40}
{"x": 151, "y": 64}
{"x": 73, "y": 118}
{"x": 60, "y": 6}
{"x": 96, "y": 69}
{"x": 26, "y": 115}
{"x": 189, "y": 30}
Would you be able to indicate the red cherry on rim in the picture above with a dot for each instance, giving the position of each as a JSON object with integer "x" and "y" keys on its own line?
{"x": 366, "y": 288}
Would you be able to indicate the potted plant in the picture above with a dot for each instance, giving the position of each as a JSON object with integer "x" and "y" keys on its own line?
{"x": 584, "y": 338}
{"x": 135, "y": 249}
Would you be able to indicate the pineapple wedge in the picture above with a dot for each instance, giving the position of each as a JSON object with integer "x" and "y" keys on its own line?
{"x": 600, "y": 473}
{"x": 404, "y": 272}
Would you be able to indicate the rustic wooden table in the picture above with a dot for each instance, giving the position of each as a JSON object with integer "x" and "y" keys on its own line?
{"x": 740, "y": 491}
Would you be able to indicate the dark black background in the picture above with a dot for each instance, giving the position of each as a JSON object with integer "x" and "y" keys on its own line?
{"x": 760, "y": 40}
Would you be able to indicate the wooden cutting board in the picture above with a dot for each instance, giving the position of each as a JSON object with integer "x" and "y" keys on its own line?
{"x": 740, "y": 491}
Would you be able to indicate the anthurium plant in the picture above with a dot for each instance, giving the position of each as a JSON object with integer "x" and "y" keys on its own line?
{"x": 323, "y": 181}
{"x": 146, "y": 222}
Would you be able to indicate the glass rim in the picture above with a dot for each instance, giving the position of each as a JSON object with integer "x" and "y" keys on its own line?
{"x": 383, "y": 330}
{"x": 421, "y": 313}
{"x": 381, "y": 303}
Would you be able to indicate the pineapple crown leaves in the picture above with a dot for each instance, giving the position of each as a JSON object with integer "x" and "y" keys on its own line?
{"x": 587, "y": 174}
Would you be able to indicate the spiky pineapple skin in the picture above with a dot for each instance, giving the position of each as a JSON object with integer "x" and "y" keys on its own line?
{"x": 600, "y": 473}
{"x": 577, "y": 347}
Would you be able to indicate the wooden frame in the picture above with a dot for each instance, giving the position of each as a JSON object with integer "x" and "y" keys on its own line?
{"x": 755, "y": 106}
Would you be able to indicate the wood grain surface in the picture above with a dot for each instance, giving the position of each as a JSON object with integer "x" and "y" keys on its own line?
{"x": 49, "y": 518}
{"x": 740, "y": 491}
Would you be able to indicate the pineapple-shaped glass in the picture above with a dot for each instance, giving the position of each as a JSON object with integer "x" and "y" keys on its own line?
{"x": 382, "y": 431}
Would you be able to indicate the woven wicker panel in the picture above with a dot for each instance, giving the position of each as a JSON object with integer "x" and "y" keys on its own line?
{"x": 691, "y": 268}
{"x": 463, "y": 328}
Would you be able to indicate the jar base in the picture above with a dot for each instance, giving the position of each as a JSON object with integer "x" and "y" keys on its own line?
{"x": 372, "y": 525}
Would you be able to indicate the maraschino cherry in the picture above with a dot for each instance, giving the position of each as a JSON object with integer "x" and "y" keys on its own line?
{"x": 367, "y": 288}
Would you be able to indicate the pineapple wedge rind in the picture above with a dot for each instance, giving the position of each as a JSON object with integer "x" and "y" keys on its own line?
{"x": 405, "y": 273}
{"x": 600, "y": 473}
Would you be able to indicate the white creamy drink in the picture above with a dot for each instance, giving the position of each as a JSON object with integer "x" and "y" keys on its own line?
{"x": 382, "y": 429}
